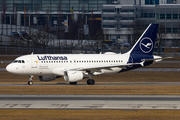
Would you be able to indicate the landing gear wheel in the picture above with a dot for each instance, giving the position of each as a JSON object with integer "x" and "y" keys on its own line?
{"x": 90, "y": 82}
{"x": 30, "y": 80}
{"x": 72, "y": 83}
{"x": 30, "y": 83}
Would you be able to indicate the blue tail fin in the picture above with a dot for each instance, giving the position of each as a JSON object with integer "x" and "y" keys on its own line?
{"x": 146, "y": 42}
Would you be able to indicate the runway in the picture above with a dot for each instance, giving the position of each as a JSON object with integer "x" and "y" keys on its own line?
{"x": 90, "y": 102}
{"x": 44, "y": 84}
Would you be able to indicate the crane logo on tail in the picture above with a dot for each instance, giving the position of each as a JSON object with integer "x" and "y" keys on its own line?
{"x": 146, "y": 45}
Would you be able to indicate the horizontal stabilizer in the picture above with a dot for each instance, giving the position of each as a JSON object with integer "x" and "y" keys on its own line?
{"x": 156, "y": 59}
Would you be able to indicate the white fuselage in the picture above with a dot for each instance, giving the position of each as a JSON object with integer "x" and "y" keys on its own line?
{"x": 56, "y": 64}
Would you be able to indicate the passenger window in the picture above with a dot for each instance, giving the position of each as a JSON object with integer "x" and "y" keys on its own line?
{"x": 41, "y": 61}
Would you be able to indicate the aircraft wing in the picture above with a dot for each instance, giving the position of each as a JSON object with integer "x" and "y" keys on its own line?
{"x": 97, "y": 68}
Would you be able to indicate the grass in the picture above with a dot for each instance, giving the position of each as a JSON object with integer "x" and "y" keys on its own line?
{"x": 94, "y": 90}
{"x": 129, "y": 77}
{"x": 89, "y": 115}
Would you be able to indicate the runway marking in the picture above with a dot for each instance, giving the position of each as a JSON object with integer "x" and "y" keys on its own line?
{"x": 90, "y": 102}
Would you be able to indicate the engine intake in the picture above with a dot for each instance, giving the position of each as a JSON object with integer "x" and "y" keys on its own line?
{"x": 73, "y": 76}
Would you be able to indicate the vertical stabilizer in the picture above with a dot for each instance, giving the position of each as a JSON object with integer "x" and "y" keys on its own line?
{"x": 146, "y": 42}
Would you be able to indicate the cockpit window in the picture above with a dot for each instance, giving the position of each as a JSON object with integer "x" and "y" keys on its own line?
{"x": 19, "y": 61}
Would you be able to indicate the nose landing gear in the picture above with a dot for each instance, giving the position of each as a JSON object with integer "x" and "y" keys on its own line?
{"x": 30, "y": 82}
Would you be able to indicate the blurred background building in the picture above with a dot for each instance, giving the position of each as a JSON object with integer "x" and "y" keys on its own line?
{"x": 124, "y": 19}
{"x": 121, "y": 21}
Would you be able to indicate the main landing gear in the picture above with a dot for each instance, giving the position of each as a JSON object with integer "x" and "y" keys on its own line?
{"x": 90, "y": 81}
{"x": 30, "y": 82}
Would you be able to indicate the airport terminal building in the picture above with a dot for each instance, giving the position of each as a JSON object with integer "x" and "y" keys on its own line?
{"x": 118, "y": 20}
{"x": 117, "y": 17}
{"x": 36, "y": 10}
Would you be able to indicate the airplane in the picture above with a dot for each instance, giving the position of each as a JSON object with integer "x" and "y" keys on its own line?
{"x": 75, "y": 67}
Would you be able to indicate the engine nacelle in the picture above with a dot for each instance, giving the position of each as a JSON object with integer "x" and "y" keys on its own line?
{"x": 47, "y": 78}
{"x": 73, "y": 76}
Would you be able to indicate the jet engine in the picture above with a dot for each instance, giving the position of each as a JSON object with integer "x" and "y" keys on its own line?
{"x": 73, "y": 76}
{"x": 47, "y": 78}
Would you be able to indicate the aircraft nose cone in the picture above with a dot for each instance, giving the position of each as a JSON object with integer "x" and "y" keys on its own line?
{"x": 8, "y": 68}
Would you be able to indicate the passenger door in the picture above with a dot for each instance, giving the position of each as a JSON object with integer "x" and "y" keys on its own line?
{"x": 33, "y": 62}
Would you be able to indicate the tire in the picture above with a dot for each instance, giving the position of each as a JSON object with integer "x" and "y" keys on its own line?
{"x": 72, "y": 83}
{"x": 90, "y": 82}
{"x": 30, "y": 83}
